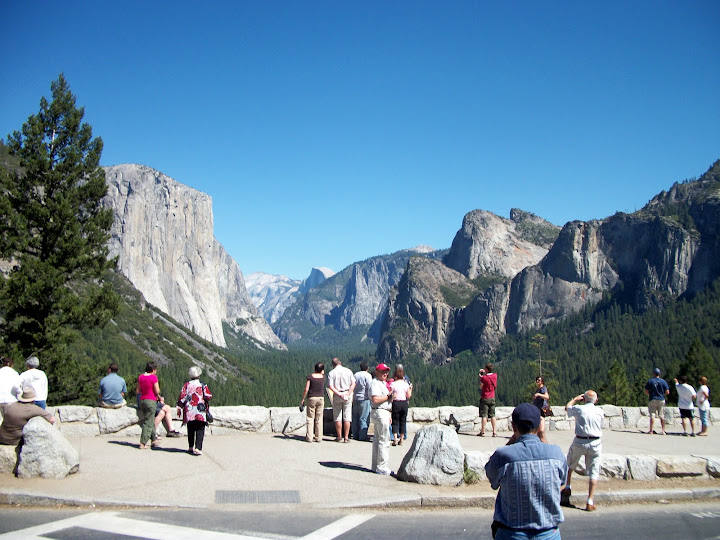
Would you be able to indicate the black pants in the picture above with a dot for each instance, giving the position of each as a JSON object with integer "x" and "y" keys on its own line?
{"x": 196, "y": 434}
{"x": 399, "y": 417}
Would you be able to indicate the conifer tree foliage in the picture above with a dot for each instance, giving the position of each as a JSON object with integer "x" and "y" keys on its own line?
{"x": 53, "y": 234}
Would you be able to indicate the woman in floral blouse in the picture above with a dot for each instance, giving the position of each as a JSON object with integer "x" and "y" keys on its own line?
{"x": 194, "y": 400}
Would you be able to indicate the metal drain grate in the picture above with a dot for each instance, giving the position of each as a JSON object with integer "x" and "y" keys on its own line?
{"x": 257, "y": 497}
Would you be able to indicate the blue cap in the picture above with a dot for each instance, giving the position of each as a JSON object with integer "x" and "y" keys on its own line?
{"x": 656, "y": 371}
{"x": 526, "y": 415}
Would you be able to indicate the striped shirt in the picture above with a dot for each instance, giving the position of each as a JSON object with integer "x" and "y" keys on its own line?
{"x": 529, "y": 474}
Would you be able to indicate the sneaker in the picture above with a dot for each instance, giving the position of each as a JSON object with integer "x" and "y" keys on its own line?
{"x": 589, "y": 507}
{"x": 565, "y": 497}
{"x": 385, "y": 473}
{"x": 174, "y": 434}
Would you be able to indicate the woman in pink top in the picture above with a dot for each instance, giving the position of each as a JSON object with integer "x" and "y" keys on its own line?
{"x": 402, "y": 392}
{"x": 148, "y": 389}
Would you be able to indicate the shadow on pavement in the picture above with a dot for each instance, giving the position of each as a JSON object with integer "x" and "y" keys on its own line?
{"x": 341, "y": 465}
{"x": 154, "y": 449}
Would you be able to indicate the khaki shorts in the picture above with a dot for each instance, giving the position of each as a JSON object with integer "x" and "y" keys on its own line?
{"x": 341, "y": 408}
{"x": 591, "y": 449}
{"x": 487, "y": 408}
{"x": 657, "y": 407}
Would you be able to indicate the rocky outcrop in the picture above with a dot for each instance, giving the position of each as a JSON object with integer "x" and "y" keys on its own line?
{"x": 162, "y": 235}
{"x": 487, "y": 244}
{"x": 668, "y": 249}
{"x": 354, "y": 297}
{"x": 424, "y": 312}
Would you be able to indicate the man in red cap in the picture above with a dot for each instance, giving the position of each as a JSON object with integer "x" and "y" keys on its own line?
{"x": 380, "y": 415}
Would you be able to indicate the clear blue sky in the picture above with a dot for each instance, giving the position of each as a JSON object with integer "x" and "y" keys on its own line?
{"x": 329, "y": 132}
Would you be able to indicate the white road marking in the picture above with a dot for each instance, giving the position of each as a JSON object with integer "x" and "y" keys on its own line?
{"x": 112, "y": 523}
{"x": 336, "y": 528}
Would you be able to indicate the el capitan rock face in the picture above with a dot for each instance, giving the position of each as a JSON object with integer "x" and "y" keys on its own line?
{"x": 163, "y": 237}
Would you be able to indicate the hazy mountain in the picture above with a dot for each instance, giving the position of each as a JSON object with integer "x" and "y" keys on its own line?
{"x": 272, "y": 294}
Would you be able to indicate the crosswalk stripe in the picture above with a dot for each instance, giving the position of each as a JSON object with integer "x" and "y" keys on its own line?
{"x": 112, "y": 523}
{"x": 336, "y": 528}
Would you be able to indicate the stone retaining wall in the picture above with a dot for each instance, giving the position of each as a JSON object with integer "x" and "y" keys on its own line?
{"x": 77, "y": 421}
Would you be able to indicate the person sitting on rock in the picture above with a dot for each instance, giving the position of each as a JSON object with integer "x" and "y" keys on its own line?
{"x": 112, "y": 389}
{"x": 17, "y": 416}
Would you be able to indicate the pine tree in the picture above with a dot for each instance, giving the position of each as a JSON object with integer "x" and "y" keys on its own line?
{"x": 617, "y": 390}
{"x": 699, "y": 363}
{"x": 54, "y": 232}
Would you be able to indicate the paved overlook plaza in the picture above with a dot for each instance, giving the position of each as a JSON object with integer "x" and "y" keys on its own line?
{"x": 268, "y": 467}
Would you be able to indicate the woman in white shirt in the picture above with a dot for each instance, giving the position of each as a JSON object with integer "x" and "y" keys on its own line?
{"x": 686, "y": 394}
{"x": 402, "y": 393}
{"x": 703, "y": 405}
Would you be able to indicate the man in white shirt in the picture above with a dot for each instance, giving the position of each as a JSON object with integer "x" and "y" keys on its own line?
{"x": 9, "y": 379}
{"x": 341, "y": 383}
{"x": 35, "y": 378}
{"x": 686, "y": 395}
{"x": 587, "y": 442}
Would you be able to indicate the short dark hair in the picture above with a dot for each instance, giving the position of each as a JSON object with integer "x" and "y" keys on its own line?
{"x": 489, "y": 367}
{"x": 319, "y": 367}
{"x": 682, "y": 378}
{"x": 7, "y": 361}
{"x": 150, "y": 367}
{"x": 114, "y": 368}
{"x": 364, "y": 366}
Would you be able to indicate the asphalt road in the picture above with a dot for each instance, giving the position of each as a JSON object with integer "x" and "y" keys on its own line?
{"x": 653, "y": 521}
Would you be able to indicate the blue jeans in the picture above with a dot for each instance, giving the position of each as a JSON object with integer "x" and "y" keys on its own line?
{"x": 703, "y": 418}
{"x": 527, "y": 534}
{"x": 360, "y": 419}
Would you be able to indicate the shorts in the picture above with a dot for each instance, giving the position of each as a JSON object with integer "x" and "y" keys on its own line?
{"x": 703, "y": 417}
{"x": 341, "y": 408}
{"x": 686, "y": 413}
{"x": 487, "y": 407}
{"x": 591, "y": 449}
{"x": 656, "y": 407}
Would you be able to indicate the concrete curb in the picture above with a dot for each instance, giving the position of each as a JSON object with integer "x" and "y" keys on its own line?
{"x": 17, "y": 498}
{"x": 488, "y": 501}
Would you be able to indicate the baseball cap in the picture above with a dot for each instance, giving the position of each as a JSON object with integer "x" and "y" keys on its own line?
{"x": 656, "y": 371}
{"x": 382, "y": 367}
{"x": 526, "y": 415}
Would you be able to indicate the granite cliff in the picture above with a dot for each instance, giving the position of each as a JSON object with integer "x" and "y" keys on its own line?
{"x": 162, "y": 235}
{"x": 353, "y": 299}
{"x": 668, "y": 249}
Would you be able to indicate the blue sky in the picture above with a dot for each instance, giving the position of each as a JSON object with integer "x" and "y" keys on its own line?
{"x": 329, "y": 132}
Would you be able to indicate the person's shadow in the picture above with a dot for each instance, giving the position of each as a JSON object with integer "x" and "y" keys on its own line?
{"x": 341, "y": 465}
{"x": 155, "y": 449}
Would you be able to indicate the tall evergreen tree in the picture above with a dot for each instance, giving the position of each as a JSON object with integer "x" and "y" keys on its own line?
{"x": 54, "y": 232}
{"x": 617, "y": 390}
{"x": 699, "y": 363}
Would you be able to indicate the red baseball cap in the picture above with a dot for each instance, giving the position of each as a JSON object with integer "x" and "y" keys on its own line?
{"x": 382, "y": 367}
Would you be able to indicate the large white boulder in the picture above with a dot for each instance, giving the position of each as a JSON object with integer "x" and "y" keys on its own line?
{"x": 46, "y": 452}
{"x": 674, "y": 466}
{"x": 435, "y": 457}
{"x": 76, "y": 413}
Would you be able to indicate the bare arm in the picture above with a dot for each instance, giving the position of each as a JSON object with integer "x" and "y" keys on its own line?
{"x": 574, "y": 400}
{"x": 305, "y": 393}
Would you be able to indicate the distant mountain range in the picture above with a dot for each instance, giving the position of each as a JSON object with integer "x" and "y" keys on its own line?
{"x": 499, "y": 276}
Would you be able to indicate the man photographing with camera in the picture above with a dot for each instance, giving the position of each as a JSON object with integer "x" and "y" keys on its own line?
{"x": 587, "y": 442}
